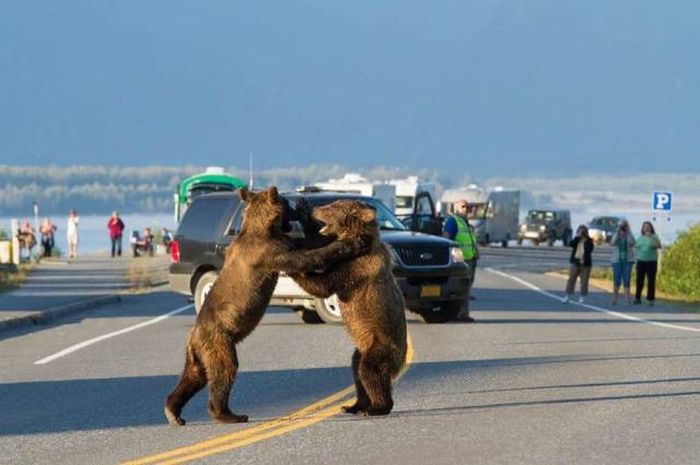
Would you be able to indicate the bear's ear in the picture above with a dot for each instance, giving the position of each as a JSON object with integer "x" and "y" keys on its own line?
{"x": 272, "y": 194}
{"x": 367, "y": 214}
{"x": 244, "y": 194}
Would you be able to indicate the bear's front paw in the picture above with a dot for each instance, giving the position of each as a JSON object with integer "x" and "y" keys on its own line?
{"x": 365, "y": 244}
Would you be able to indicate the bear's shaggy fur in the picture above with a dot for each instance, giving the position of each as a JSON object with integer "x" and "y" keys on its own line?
{"x": 237, "y": 301}
{"x": 371, "y": 304}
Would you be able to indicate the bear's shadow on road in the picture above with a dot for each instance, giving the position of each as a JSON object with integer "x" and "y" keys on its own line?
{"x": 94, "y": 404}
{"x": 422, "y": 377}
{"x": 97, "y": 404}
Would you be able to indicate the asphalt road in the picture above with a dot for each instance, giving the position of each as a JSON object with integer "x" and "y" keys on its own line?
{"x": 532, "y": 382}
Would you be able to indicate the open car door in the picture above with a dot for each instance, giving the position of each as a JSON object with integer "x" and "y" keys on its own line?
{"x": 424, "y": 218}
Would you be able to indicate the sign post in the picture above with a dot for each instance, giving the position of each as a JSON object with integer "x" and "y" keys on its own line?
{"x": 35, "y": 207}
{"x": 661, "y": 207}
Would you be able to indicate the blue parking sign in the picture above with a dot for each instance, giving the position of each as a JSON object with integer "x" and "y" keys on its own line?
{"x": 661, "y": 201}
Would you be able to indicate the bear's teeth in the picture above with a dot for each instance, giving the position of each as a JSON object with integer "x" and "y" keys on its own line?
{"x": 323, "y": 230}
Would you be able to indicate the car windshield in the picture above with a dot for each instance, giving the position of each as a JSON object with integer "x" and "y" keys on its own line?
{"x": 538, "y": 215}
{"x": 385, "y": 219}
{"x": 476, "y": 211}
{"x": 404, "y": 201}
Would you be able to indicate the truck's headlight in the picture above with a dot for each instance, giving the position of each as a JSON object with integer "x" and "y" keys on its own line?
{"x": 523, "y": 227}
{"x": 457, "y": 255}
{"x": 393, "y": 255}
{"x": 542, "y": 227}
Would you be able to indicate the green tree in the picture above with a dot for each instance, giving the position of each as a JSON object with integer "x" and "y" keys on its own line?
{"x": 680, "y": 266}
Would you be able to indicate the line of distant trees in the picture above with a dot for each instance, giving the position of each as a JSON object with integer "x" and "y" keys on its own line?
{"x": 93, "y": 189}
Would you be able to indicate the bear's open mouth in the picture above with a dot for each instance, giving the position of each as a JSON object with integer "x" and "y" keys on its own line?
{"x": 324, "y": 230}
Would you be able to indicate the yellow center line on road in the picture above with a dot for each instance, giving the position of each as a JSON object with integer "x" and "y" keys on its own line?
{"x": 307, "y": 416}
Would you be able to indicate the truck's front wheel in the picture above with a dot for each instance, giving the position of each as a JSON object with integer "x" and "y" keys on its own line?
{"x": 329, "y": 310}
{"x": 206, "y": 281}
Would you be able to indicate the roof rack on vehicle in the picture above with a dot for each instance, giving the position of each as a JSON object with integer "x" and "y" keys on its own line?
{"x": 308, "y": 189}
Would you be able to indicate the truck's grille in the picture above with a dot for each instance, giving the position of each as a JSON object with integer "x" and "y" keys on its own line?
{"x": 424, "y": 256}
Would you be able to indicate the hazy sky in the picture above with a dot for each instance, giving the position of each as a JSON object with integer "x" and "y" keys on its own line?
{"x": 483, "y": 86}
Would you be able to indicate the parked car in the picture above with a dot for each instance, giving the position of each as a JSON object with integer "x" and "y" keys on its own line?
{"x": 430, "y": 270}
{"x": 546, "y": 226}
{"x": 602, "y": 228}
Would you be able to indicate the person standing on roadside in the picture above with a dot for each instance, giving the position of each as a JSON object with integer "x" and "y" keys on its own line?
{"x": 72, "y": 233}
{"x": 458, "y": 229}
{"x": 647, "y": 247}
{"x": 27, "y": 239}
{"x": 115, "y": 225}
{"x": 47, "y": 230}
{"x": 622, "y": 259}
{"x": 581, "y": 263}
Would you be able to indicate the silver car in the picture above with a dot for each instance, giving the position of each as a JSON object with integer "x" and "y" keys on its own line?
{"x": 602, "y": 228}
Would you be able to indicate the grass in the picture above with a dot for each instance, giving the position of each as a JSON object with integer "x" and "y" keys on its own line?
{"x": 147, "y": 272}
{"x": 12, "y": 277}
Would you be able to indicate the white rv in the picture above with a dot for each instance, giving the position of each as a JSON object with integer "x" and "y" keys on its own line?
{"x": 353, "y": 182}
{"x": 406, "y": 192}
{"x": 493, "y": 214}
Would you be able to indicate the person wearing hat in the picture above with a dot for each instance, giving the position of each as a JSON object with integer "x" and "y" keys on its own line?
{"x": 458, "y": 229}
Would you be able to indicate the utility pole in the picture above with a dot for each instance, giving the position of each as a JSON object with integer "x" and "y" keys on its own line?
{"x": 35, "y": 207}
{"x": 250, "y": 168}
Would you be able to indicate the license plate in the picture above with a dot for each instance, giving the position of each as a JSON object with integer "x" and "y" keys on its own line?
{"x": 430, "y": 291}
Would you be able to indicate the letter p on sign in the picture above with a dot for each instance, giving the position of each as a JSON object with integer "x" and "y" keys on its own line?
{"x": 661, "y": 201}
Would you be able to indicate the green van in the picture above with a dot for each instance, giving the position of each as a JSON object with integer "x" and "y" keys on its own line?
{"x": 212, "y": 180}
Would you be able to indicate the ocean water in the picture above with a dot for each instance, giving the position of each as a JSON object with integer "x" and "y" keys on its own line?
{"x": 93, "y": 234}
{"x": 94, "y": 237}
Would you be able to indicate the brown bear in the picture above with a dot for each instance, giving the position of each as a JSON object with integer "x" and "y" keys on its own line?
{"x": 371, "y": 303}
{"x": 237, "y": 301}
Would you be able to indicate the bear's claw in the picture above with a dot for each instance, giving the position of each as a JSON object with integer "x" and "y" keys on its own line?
{"x": 173, "y": 419}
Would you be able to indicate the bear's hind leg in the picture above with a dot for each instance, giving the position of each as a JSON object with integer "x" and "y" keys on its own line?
{"x": 222, "y": 366}
{"x": 193, "y": 379}
{"x": 362, "y": 402}
{"x": 374, "y": 372}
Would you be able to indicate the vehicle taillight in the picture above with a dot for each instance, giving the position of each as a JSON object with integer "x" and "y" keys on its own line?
{"x": 175, "y": 252}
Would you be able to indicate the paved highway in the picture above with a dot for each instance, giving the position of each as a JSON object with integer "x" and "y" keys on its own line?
{"x": 532, "y": 382}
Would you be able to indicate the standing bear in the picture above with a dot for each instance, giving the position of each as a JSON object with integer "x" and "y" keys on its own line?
{"x": 238, "y": 299}
{"x": 371, "y": 303}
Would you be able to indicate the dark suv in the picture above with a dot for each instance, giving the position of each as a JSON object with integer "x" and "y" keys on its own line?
{"x": 430, "y": 270}
{"x": 546, "y": 226}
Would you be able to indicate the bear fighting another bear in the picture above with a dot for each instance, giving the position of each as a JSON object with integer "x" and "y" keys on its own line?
{"x": 237, "y": 301}
{"x": 371, "y": 303}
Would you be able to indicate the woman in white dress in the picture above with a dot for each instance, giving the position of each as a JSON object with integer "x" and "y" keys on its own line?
{"x": 72, "y": 233}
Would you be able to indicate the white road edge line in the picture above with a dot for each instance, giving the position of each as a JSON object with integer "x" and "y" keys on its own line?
{"x": 89, "y": 342}
{"x": 589, "y": 306}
